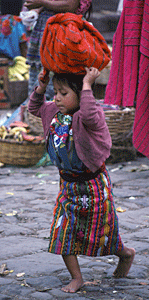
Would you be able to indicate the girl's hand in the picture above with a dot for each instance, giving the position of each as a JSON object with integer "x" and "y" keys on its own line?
{"x": 91, "y": 75}
{"x": 42, "y": 85}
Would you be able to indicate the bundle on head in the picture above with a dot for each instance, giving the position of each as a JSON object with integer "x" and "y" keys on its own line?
{"x": 70, "y": 44}
{"x": 12, "y": 7}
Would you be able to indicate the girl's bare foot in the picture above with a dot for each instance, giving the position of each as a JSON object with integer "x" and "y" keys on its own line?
{"x": 73, "y": 286}
{"x": 126, "y": 257}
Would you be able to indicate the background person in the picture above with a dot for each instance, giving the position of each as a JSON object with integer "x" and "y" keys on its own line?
{"x": 13, "y": 39}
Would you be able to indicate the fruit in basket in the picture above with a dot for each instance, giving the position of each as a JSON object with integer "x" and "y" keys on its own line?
{"x": 19, "y": 70}
{"x": 2, "y": 129}
{"x": 17, "y": 129}
{"x": 28, "y": 137}
{"x": 31, "y": 138}
{"x": 19, "y": 124}
{"x": 14, "y": 76}
{"x": 18, "y": 133}
{"x": 3, "y": 132}
{"x": 18, "y": 137}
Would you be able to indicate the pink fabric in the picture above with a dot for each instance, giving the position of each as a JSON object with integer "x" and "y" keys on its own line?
{"x": 141, "y": 123}
{"x": 129, "y": 76}
{"x": 83, "y": 7}
{"x": 90, "y": 131}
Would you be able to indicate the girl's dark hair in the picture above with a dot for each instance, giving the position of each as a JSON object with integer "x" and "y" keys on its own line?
{"x": 75, "y": 82}
{"x": 12, "y": 7}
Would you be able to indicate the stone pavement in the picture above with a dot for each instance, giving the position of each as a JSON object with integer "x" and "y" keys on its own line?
{"x": 28, "y": 271}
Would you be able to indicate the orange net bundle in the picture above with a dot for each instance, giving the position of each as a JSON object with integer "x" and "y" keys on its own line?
{"x": 69, "y": 44}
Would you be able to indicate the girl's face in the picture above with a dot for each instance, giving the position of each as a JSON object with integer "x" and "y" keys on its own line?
{"x": 65, "y": 98}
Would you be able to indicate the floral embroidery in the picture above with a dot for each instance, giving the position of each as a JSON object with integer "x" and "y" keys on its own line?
{"x": 17, "y": 19}
{"x": 70, "y": 132}
{"x": 67, "y": 119}
{"x": 6, "y": 28}
{"x": 57, "y": 141}
{"x": 84, "y": 200}
{"x": 7, "y": 23}
{"x": 24, "y": 37}
{"x": 78, "y": 248}
{"x": 60, "y": 129}
{"x": 80, "y": 235}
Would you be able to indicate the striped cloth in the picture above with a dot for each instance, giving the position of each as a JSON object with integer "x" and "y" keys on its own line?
{"x": 70, "y": 43}
{"x": 85, "y": 220}
{"x": 33, "y": 55}
{"x": 128, "y": 83}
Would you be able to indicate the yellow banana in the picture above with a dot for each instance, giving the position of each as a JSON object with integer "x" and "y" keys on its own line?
{"x": 18, "y": 137}
{"x": 23, "y": 64}
{"x": 3, "y": 131}
{"x": 3, "y": 128}
{"x": 20, "y": 58}
{"x": 26, "y": 76}
{"x": 17, "y": 71}
{"x": 17, "y": 129}
{"x": 13, "y": 78}
{"x": 19, "y": 76}
{"x": 20, "y": 68}
{"x": 4, "y": 134}
{"x": 21, "y": 61}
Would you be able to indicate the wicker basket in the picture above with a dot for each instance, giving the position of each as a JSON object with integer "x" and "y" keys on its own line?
{"x": 35, "y": 123}
{"x": 120, "y": 122}
{"x": 21, "y": 153}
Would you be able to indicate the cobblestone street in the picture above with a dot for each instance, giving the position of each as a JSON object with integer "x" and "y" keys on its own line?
{"x": 28, "y": 271}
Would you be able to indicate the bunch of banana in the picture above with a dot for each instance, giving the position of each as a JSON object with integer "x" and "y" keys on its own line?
{"x": 3, "y": 132}
{"x": 19, "y": 70}
{"x": 12, "y": 133}
{"x": 18, "y": 131}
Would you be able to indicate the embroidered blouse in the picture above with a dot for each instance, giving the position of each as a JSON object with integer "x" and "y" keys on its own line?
{"x": 12, "y": 33}
{"x": 61, "y": 146}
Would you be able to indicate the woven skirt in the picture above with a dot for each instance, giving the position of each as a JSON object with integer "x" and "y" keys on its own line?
{"x": 85, "y": 220}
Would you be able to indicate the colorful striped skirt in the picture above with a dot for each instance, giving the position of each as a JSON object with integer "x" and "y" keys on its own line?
{"x": 85, "y": 220}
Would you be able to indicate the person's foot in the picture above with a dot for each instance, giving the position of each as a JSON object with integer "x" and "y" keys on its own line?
{"x": 125, "y": 261}
{"x": 73, "y": 286}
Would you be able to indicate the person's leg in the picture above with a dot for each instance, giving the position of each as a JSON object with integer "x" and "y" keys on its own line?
{"x": 72, "y": 265}
{"x": 126, "y": 257}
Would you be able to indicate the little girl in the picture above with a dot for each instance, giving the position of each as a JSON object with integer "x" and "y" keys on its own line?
{"x": 78, "y": 142}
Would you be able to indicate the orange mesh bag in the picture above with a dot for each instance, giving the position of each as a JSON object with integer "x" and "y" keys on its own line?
{"x": 69, "y": 44}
